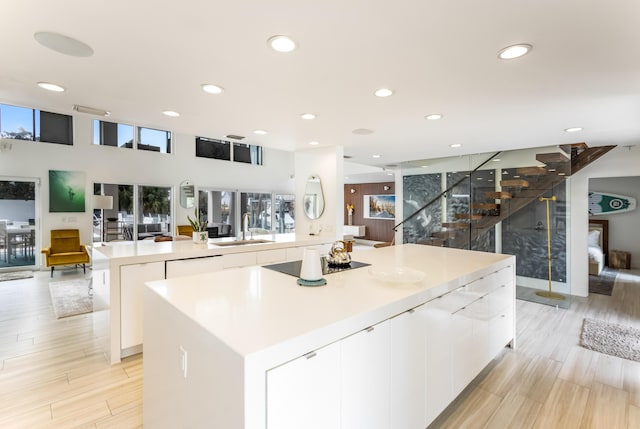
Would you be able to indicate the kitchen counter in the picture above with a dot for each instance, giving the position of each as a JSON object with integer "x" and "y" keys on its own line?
{"x": 121, "y": 268}
{"x": 254, "y": 319}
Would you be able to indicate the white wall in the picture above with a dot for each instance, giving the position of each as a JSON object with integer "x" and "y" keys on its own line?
{"x": 620, "y": 162}
{"x": 103, "y": 164}
{"x": 328, "y": 163}
{"x": 624, "y": 228}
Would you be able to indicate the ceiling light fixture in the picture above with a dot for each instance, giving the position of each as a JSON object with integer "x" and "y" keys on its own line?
{"x": 314, "y": 143}
{"x": 362, "y": 131}
{"x": 281, "y": 43}
{"x": 573, "y": 129}
{"x": 383, "y": 92}
{"x": 433, "y": 117}
{"x": 90, "y": 110}
{"x": 50, "y": 86}
{"x": 308, "y": 116}
{"x": 171, "y": 113}
{"x": 455, "y": 145}
{"x": 514, "y": 51}
{"x": 375, "y": 156}
{"x": 211, "y": 88}
{"x": 496, "y": 160}
{"x": 260, "y": 132}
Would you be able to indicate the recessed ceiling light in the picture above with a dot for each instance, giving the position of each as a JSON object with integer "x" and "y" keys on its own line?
{"x": 281, "y": 43}
{"x": 171, "y": 113}
{"x": 455, "y": 145}
{"x": 50, "y": 86}
{"x": 424, "y": 166}
{"x": 375, "y": 156}
{"x": 514, "y": 51}
{"x": 505, "y": 172}
{"x": 260, "y": 132}
{"x": 496, "y": 160}
{"x": 389, "y": 174}
{"x": 516, "y": 177}
{"x": 551, "y": 170}
{"x": 573, "y": 129}
{"x": 561, "y": 174}
{"x": 308, "y": 116}
{"x": 314, "y": 143}
{"x": 211, "y": 88}
{"x": 383, "y": 92}
{"x": 63, "y": 44}
{"x": 433, "y": 117}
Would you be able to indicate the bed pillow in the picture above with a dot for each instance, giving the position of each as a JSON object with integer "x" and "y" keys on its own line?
{"x": 593, "y": 239}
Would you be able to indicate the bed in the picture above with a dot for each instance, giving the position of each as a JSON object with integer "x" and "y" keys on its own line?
{"x": 598, "y": 245}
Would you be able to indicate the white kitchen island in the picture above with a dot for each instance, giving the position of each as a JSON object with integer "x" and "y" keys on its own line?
{"x": 249, "y": 348}
{"x": 120, "y": 270}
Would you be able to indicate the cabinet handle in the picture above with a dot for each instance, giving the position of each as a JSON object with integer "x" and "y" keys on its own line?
{"x": 369, "y": 329}
{"x": 310, "y": 355}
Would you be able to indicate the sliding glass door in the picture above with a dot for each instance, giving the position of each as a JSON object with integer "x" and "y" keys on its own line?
{"x": 18, "y": 223}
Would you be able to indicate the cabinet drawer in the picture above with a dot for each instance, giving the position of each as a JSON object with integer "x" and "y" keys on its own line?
{"x": 271, "y": 256}
{"x": 500, "y": 299}
{"x": 235, "y": 260}
{"x": 455, "y": 300}
{"x": 504, "y": 276}
{"x": 187, "y": 267}
{"x": 483, "y": 285}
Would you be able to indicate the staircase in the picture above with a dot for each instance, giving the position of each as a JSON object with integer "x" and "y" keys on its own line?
{"x": 524, "y": 185}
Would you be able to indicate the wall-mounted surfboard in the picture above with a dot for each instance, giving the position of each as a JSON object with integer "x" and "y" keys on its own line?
{"x": 604, "y": 204}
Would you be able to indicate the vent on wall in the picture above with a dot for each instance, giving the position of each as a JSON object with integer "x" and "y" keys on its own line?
{"x": 234, "y": 136}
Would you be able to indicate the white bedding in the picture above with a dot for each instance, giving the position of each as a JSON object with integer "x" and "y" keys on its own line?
{"x": 595, "y": 255}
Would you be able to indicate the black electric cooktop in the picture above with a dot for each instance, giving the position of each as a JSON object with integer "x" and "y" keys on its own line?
{"x": 293, "y": 268}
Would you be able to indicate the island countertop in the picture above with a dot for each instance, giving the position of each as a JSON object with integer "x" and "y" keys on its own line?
{"x": 256, "y": 310}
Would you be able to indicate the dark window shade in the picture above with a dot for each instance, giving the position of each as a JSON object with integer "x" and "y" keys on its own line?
{"x": 109, "y": 133}
{"x": 212, "y": 148}
{"x": 56, "y": 128}
{"x": 243, "y": 153}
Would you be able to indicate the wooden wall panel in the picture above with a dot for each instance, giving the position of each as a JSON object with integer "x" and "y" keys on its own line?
{"x": 377, "y": 229}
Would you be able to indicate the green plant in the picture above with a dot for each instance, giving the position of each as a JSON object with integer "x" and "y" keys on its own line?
{"x": 198, "y": 222}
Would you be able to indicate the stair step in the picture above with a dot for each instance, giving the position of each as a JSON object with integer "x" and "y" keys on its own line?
{"x": 514, "y": 183}
{"x": 444, "y": 234}
{"x": 531, "y": 171}
{"x": 456, "y": 225}
{"x": 484, "y": 206}
{"x": 468, "y": 216}
{"x": 498, "y": 195}
{"x": 568, "y": 148}
{"x": 432, "y": 242}
{"x": 551, "y": 158}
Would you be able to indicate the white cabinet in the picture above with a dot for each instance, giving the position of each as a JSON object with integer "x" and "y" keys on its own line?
{"x": 236, "y": 260}
{"x": 364, "y": 375}
{"x": 132, "y": 280}
{"x": 355, "y": 230}
{"x": 191, "y": 266}
{"x": 409, "y": 368}
{"x": 295, "y": 253}
{"x": 271, "y": 256}
{"x": 305, "y": 393}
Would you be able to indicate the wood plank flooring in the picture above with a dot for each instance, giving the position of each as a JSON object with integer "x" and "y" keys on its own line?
{"x": 54, "y": 372}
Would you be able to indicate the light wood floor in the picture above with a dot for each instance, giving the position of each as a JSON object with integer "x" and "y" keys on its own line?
{"x": 54, "y": 373}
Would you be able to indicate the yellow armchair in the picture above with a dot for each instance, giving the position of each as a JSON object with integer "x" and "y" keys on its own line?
{"x": 184, "y": 230}
{"x": 65, "y": 249}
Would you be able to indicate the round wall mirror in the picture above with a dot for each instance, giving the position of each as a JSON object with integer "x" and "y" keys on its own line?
{"x": 187, "y": 194}
{"x": 313, "y": 200}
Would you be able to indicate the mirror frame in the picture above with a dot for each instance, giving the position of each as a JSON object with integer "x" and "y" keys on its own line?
{"x": 313, "y": 199}
{"x": 187, "y": 195}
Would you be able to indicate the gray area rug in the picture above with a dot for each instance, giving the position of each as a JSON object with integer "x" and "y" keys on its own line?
{"x": 603, "y": 283}
{"x": 611, "y": 338}
{"x": 70, "y": 297}
{"x": 15, "y": 275}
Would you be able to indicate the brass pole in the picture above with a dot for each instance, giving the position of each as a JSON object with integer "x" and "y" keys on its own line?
{"x": 549, "y": 294}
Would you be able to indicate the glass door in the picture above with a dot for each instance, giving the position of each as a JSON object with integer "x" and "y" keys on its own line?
{"x": 18, "y": 223}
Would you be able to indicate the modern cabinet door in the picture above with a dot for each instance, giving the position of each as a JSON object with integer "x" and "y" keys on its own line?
{"x": 191, "y": 266}
{"x": 271, "y": 256}
{"x": 132, "y": 280}
{"x": 408, "y": 369}
{"x": 305, "y": 393}
{"x": 236, "y": 260}
{"x": 365, "y": 378}
{"x": 501, "y": 324}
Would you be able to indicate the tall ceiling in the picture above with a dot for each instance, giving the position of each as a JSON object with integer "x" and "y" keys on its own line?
{"x": 438, "y": 56}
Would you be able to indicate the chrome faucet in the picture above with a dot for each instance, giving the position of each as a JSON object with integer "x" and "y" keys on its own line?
{"x": 245, "y": 224}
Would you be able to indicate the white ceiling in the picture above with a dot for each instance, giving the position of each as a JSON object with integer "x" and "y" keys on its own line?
{"x": 439, "y": 56}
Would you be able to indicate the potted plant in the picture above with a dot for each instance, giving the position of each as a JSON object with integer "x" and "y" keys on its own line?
{"x": 199, "y": 225}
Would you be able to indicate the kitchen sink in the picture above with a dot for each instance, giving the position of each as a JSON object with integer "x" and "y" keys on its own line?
{"x": 241, "y": 242}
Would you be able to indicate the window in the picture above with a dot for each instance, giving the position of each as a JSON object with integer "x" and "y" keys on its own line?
{"x": 21, "y": 123}
{"x": 212, "y": 148}
{"x": 154, "y": 140}
{"x": 218, "y": 207}
{"x": 247, "y": 153}
{"x": 285, "y": 213}
{"x": 258, "y": 206}
{"x": 154, "y": 211}
{"x": 112, "y": 134}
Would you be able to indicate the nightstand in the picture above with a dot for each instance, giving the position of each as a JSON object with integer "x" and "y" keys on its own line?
{"x": 619, "y": 259}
